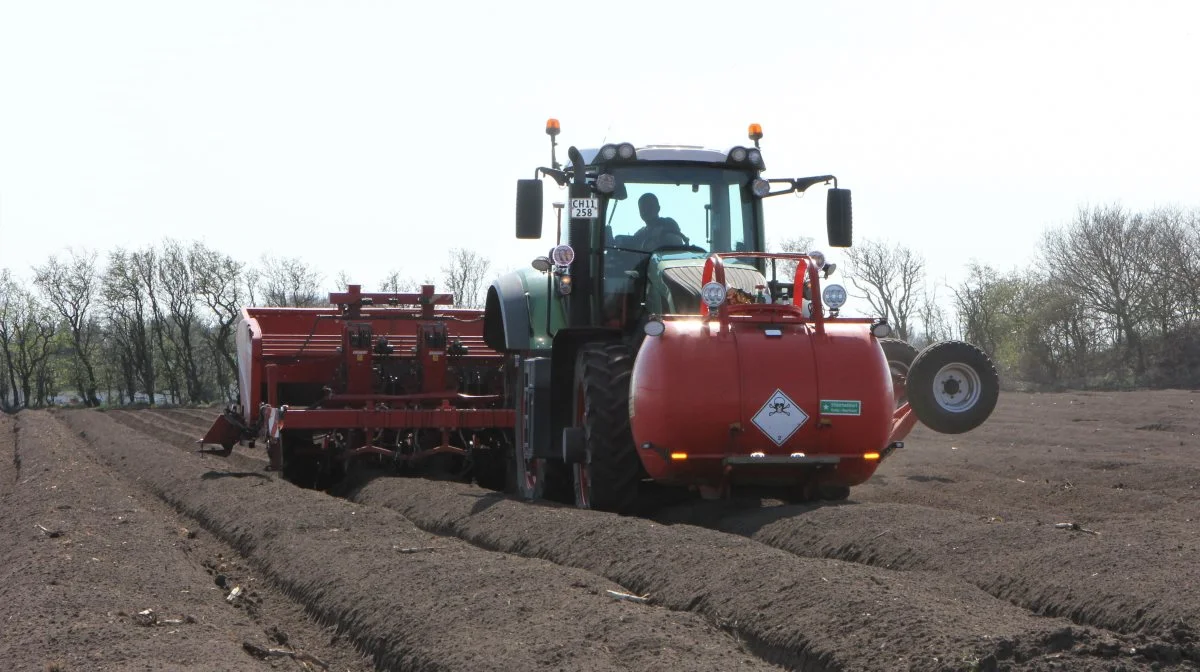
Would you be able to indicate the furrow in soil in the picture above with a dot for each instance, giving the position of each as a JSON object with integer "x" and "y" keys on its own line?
{"x": 1096, "y": 580}
{"x": 99, "y": 575}
{"x": 930, "y": 597}
{"x": 410, "y": 599}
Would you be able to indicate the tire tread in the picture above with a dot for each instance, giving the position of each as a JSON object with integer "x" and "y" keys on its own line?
{"x": 615, "y": 466}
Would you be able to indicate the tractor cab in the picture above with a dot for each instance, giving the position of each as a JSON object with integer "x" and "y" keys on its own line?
{"x": 642, "y": 221}
{"x": 664, "y": 215}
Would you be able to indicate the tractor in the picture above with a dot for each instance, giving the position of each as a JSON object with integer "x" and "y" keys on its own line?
{"x": 660, "y": 345}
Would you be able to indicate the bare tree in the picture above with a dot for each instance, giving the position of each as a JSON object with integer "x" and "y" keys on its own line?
{"x": 980, "y": 302}
{"x": 219, "y": 285}
{"x": 464, "y": 275}
{"x": 288, "y": 281}
{"x": 253, "y": 283}
{"x": 1172, "y": 240}
{"x": 179, "y": 288}
{"x": 341, "y": 282}
{"x": 888, "y": 277}
{"x": 27, "y": 331}
{"x": 393, "y": 283}
{"x": 1054, "y": 334}
{"x": 935, "y": 325}
{"x": 4, "y": 374}
{"x": 71, "y": 288}
{"x": 146, "y": 264}
{"x": 8, "y": 316}
{"x": 786, "y": 270}
{"x": 129, "y": 316}
{"x": 1100, "y": 258}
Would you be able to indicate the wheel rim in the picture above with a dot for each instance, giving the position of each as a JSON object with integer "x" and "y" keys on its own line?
{"x": 582, "y": 471}
{"x": 957, "y": 387}
{"x": 583, "y": 487}
{"x": 899, "y": 372}
{"x": 530, "y": 470}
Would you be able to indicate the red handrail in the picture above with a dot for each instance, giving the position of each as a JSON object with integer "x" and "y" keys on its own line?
{"x": 714, "y": 270}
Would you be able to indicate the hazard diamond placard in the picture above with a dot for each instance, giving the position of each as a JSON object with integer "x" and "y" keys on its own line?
{"x": 779, "y": 418}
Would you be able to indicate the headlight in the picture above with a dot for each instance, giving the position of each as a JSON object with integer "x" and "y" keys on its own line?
{"x": 818, "y": 258}
{"x": 654, "y": 327}
{"x": 562, "y": 255}
{"x": 760, "y": 187}
{"x": 606, "y": 183}
{"x": 625, "y": 150}
{"x": 755, "y": 157}
{"x": 713, "y": 294}
{"x": 738, "y": 154}
{"x": 833, "y": 296}
{"x": 608, "y": 152}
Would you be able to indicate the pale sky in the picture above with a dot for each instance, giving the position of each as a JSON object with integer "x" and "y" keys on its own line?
{"x": 367, "y": 136}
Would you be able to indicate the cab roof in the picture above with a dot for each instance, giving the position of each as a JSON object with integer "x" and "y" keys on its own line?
{"x": 690, "y": 153}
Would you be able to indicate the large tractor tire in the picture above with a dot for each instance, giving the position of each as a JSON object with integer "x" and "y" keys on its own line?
{"x": 607, "y": 477}
{"x": 953, "y": 387}
{"x": 533, "y": 478}
{"x": 900, "y": 355}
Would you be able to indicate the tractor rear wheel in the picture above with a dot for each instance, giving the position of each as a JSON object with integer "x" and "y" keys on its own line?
{"x": 953, "y": 387}
{"x": 608, "y": 476}
{"x": 900, "y": 355}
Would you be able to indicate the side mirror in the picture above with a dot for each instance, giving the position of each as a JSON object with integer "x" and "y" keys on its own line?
{"x": 839, "y": 221}
{"x": 529, "y": 209}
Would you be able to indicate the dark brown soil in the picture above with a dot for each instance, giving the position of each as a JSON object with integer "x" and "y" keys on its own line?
{"x": 949, "y": 558}
{"x": 86, "y": 552}
{"x": 411, "y": 600}
{"x": 985, "y": 507}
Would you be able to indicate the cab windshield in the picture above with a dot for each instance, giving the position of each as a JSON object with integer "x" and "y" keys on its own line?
{"x": 670, "y": 209}
{"x": 703, "y": 207}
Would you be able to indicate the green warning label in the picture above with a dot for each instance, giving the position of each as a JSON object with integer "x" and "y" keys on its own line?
{"x": 840, "y": 407}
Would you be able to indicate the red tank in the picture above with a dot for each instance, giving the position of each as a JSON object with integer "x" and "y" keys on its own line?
{"x": 758, "y": 394}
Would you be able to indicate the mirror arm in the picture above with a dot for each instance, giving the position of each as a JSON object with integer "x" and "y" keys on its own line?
{"x": 558, "y": 176}
{"x": 799, "y": 184}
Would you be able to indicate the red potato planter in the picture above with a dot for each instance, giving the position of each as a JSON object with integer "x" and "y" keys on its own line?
{"x": 399, "y": 379}
{"x": 761, "y": 395}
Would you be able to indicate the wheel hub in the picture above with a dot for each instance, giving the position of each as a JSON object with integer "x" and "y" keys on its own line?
{"x": 957, "y": 387}
{"x": 951, "y": 387}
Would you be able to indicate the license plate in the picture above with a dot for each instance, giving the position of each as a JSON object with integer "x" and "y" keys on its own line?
{"x": 585, "y": 208}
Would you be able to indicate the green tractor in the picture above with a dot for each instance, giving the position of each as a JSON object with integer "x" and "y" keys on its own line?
{"x": 641, "y": 223}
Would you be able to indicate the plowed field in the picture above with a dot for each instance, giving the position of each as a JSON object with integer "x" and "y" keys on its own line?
{"x": 1061, "y": 535}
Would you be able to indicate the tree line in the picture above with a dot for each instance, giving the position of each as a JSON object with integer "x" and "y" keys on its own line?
{"x": 156, "y": 325}
{"x": 1109, "y": 300}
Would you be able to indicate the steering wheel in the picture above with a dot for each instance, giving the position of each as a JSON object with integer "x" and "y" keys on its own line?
{"x": 661, "y": 248}
{"x": 679, "y": 248}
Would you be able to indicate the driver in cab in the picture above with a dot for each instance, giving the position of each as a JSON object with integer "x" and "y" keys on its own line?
{"x": 658, "y": 231}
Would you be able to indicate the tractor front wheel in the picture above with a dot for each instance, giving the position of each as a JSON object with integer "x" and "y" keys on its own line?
{"x": 952, "y": 387}
{"x": 533, "y": 477}
{"x": 607, "y": 477}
